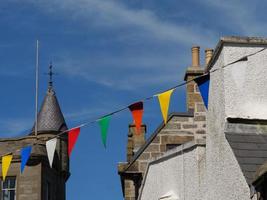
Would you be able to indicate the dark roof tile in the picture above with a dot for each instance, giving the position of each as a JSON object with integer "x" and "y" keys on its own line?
{"x": 50, "y": 117}
{"x": 249, "y": 147}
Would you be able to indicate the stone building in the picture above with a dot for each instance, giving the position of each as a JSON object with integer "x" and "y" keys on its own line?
{"x": 38, "y": 181}
{"x": 224, "y": 155}
{"x": 180, "y": 128}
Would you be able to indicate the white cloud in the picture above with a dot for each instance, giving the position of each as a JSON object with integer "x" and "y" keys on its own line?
{"x": 239, "y": 16}
{"x": 15, "y": 126}
{"x": 116, "y": 71}
{"x": 111, "y": 14}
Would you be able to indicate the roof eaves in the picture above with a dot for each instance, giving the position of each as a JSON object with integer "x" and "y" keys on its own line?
{"x": 234, "y": 40}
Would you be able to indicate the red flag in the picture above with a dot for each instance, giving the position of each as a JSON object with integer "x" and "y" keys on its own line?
{"x": 72, "y": 136}
{"x": 137, "y": 112}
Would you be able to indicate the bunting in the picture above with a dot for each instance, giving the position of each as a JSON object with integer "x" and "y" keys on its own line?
{"x": 104, "y": 124}
{"x": 203, "y": 83}
{"x": 137, "y": 110}
{"x": 51, "y": 148}
{"x": 6, "y": 161}
{"x": 164, "y": 101}
{"x": 72, "y": 137}
{"x": 137, "y": 113}
{"x": 25, "y": 155}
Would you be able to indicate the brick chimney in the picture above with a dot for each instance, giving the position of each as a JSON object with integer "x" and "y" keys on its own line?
{"x": 192, "y": 92}
{"x": 135, "y": 141}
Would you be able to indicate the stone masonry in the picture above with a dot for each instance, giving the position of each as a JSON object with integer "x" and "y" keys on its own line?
{"x": 32, "y": 183}
{"x": 180, "y": 128}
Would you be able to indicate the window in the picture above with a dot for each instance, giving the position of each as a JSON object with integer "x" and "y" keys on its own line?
{"x": 8, "y": 189}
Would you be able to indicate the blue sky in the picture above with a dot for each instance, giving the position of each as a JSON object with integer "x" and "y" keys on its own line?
{"x": 107, "y": 54}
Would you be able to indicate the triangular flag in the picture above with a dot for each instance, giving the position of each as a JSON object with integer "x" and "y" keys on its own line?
{"x": 25, "y": 155}
{"x": 137, "y": 110}
{"x": 203, "y": 83}
{"x": 6, "y": 161}
{"x": 72, "y": 137}
{"x": 104, "y": 123}
{"x": 164, "y": 101}
{"x": 50, "y": 148}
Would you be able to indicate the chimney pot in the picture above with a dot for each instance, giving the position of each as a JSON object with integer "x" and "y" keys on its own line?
{"x": 195, "y": 56}
{"x": 208, "y": 55}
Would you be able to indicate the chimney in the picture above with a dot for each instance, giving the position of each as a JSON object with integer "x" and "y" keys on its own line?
{"x": 195, "y": 56}
{"x": 193, "y": 96}
{"x": 135, "y": 141}
{"x": 208, "y": 55}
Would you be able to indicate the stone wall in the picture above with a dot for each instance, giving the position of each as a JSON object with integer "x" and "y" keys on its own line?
{"x": 32, "y": 183}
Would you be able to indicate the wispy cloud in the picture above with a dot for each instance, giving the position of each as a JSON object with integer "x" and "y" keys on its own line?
{"x": 15, "y": 127}
{"x": 131, "y": 69}
{"x": 124, "y": 73}
{"x": 83, "y": 114}
{"x": 114, "y": 15}
{"x": 243, "y": 17}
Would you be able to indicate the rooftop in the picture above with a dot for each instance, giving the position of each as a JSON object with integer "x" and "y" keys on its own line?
{"x": 235, "y": 40}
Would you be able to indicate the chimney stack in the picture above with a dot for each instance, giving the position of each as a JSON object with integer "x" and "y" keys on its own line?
{"x": 208, "y": 55}
{"x": 135, "y": 141}
{"x": 193, "y": 96}
{"x": 195, "y": 56}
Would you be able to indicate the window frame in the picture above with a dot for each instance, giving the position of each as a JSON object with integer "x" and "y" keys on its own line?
{"x": 8, "y": 189}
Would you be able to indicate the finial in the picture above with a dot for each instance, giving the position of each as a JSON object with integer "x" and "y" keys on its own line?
{"x": 50, "y": 74}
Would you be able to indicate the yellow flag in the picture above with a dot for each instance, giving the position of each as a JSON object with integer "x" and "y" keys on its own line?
{"x": 6, "y": 161}
{"x": 164, "y": 101}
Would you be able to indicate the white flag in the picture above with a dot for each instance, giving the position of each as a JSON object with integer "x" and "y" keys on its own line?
{"x": 50, "y": 148}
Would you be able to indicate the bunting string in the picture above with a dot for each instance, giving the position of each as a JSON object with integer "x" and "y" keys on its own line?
{"x": 135, "y": 108}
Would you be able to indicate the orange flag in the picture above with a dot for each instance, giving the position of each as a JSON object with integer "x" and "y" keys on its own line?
{"x": 137, "y": 110}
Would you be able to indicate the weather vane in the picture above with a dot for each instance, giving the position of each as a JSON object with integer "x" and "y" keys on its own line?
{"x": 50, "y": 74}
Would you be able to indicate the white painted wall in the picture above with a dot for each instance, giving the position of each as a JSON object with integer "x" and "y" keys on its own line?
{"x": 239, "y": 90}
{"x": 245, "y": 83}
{"x": 182, "y": 174}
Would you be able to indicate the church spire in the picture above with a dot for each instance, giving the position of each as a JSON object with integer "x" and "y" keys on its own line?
{"x": 50, "y": 117}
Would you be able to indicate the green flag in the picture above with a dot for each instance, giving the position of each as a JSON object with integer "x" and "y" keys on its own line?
{"x": 104, "y": 123}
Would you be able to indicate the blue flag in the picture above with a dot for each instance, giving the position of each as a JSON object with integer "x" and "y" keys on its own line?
{"x": 25, "y": 155}
{"x": 203, "y": 83}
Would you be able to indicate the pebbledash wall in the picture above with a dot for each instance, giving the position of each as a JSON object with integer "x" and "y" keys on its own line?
{"x": 233, "y": 95}
{"x": 178, "y": 174}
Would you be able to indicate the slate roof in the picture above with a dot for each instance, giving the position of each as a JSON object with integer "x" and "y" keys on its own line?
{"x": 50, "y": 117}
{"x": 248, "y": 140}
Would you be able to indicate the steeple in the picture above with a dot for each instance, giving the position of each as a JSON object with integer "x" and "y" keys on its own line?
{"x": 50, "y": 117}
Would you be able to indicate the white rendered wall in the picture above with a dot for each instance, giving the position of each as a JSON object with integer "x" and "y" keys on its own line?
{"x": 233, "y": 93}
{"x": 245, "y": 83}
{"x": 182, "y": 174}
